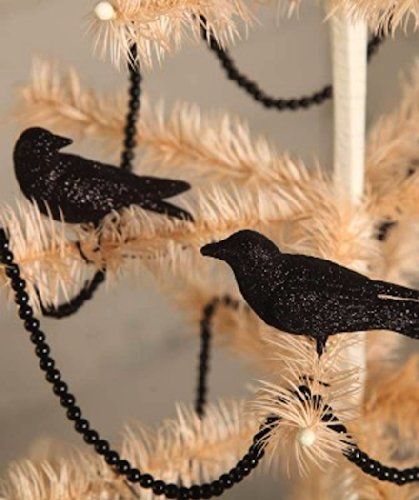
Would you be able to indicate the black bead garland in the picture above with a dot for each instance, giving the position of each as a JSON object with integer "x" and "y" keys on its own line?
{"x": 75, "y": 304}
{"x": 132, "y": 474}
{"x": 130, "y": 131}
{"x": 206, "y": 333}
{"x": 244, "y": 467}
{"x": 253, "y": 89}
{"x": 93, "y": 438}
{"x": 127, "y": 156}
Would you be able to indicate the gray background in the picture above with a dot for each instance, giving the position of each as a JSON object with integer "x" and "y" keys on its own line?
{"x": 124, "y": 357}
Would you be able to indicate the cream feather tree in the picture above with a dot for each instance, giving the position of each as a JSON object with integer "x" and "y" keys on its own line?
{"x": 240, "y": 181}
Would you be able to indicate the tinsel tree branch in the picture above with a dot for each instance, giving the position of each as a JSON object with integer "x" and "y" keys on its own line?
{"x": 216, "y": 147}
{"x": 393, "y": 157}
{"x": 184, "y": 449}
{"x": 386, "y": 428}
{"x": 159, "y": 26}
{"x": 180, "y": 450}
{"x": 51, "y": 260}
{"x": 381, "y": 15}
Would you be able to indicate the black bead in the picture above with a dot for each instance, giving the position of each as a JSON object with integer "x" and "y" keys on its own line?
{"x": 250, "y": 460}
{"x": 171, "y": 490}
{"x": 130, "y": 129}
{"x": 327, "y": 92}
{"x": 42, "y": 350}
{"x": 258, "y": 438}
{"x": 134, "y": 475}
{"x": 60, "y": 387}
{"x": 293, "y": 104}
{"x": 129, "y": 142}
{"x": 7, "y": 257}
{"x": 305, "y": 102}
{"x": 18, "y": 284}
{"x": 46, "y": 364}
{"x": 134, "y": 93}
{"x": 25, "y": 311}
{"x": 195, "y": 492}
{"x": 356, "y": 455}
{"x": 102, "y": 447}
{"x": 112, "y": 457}
{"x": 4, "y": 242}
{"x": 37, "y": 337}
{"x": 21, "y": 298}
{"x": 243, "y": 468}
{"x": 32, "y": 324}
{"x": 217, "y": 488}
{"x": 183, "y": 493}
{"x": 123, "y": 466}
{"x": 375, "y": 468}
{"x": 74, "y": 413}
{"x": 394, "y": 474}
{"x": 206, "y": 491}
{"x": 53, "y": 375}
{"x": 158, "y": 487}
{"x": 128, "y": 155}
{"x": 13, "y": 271}
{"x": 409, "y": 474}
{"x": 67, "y": 400}
{"x": 81, "y": 426}
{"x": 134, "y": 105}
{"x": 384, "y": 474}
{"x": 146, "y": 481}
{"x": 236, "y": 474}
{"x": 226, "y": 480}
{"x": 280, "y": 104}
{"x": 91, "y": 436}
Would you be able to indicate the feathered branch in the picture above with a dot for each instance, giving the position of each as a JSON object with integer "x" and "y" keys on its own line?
{"x": 180, "y": 450}
{"x": 381, "y": 15}
{"x": 216, "y": 147}
{"x": 393, "y": 157}
{"x": 52, "y": 262}
{"x": 159, "y": 26}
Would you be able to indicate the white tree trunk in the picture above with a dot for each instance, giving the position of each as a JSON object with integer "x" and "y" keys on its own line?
{"x": 349, "y": 49}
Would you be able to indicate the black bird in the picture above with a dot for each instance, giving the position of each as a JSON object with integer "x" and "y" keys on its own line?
{"x": 305, "y": 295}
{"x": 78, "y": 190}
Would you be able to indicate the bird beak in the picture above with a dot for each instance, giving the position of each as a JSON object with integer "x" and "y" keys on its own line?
{"x": 62, "y": 142}
{"x": 214, "y": 250}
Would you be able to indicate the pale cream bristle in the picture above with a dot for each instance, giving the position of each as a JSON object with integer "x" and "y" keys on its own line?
{"x": 181, "y": 449}
{"x": 159, "y": 27}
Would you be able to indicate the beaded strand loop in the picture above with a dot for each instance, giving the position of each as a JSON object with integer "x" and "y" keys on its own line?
{"x": 253, "y": 89}
{"x": 123, "y": 467}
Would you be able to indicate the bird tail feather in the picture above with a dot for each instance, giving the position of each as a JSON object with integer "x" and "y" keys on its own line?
{"x": 160, "y": 188}
{"x": 392, "y": 290}
{"x": 401, "y": 316}
{"x": 165, "y": 208}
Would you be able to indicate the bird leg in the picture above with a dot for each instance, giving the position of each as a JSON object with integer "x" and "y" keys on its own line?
{"x": 320, "y": 344}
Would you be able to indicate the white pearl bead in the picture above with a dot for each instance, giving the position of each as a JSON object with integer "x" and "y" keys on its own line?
{"x": 306, "y": 437}
{"x": 105, "y": 11}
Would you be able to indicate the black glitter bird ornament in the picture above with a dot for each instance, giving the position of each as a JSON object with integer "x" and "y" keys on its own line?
{"x": 77, "y": 190}
{"x": 305, "y": 295}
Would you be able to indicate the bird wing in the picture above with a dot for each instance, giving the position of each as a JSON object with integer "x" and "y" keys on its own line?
{"x": 324, "y": 276}
{"x": 141, "y": 187}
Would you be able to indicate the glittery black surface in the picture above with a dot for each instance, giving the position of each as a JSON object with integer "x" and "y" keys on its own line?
{"x": 314, "y": 297}
{"x": 85, "y": 190}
